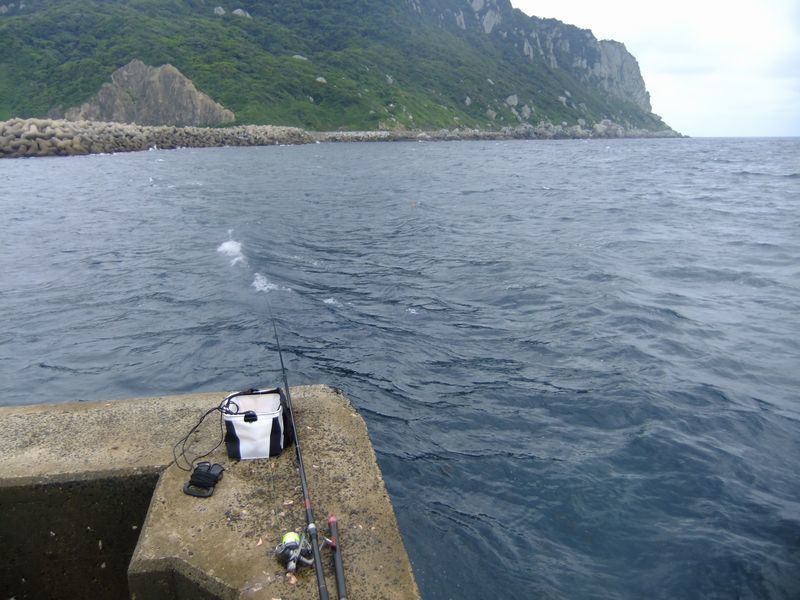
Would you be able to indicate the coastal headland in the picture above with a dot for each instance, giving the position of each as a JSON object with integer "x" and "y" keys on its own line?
{"x": 56, "y": 137}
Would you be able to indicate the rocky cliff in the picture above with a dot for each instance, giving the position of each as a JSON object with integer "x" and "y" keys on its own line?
{"x": 562, "y": 47}
{"x": 393, "y": 65}
{"x": 151, "y": 96}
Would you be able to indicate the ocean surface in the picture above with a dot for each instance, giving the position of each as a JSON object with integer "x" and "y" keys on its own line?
{"x": 579, "y": 361}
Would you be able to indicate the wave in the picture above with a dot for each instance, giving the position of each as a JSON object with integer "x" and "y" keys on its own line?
{"x": 745, "y": 173}
{"x": 233, "y": 250}
{"x": 263, "y": 284}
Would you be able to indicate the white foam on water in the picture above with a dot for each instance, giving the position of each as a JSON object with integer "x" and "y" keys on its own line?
{"x": 232, "y": 249}
{"x": 332, "y": 302}
{"x": 262, "y": 284}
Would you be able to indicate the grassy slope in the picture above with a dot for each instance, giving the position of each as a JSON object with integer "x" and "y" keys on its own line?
{"x": 59, "y": 53}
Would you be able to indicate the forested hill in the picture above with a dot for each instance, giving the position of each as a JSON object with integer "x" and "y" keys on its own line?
{"x": 327, "y": 64}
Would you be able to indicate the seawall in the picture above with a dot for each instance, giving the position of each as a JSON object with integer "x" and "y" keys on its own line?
{"x": 50, "y": 137}
{"x": 91, "y": 504}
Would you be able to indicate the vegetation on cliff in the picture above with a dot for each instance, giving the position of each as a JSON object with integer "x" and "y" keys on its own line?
{"x": 351, "y": 64}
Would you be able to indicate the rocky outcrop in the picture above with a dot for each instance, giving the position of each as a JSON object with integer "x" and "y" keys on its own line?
{"x": 12, "y": 8}
{"x": 618, "y": 72}
{"x": 605, "y": 63}
{"x": 151, "y": 96}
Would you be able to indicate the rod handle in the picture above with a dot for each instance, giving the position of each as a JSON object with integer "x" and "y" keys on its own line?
{"x": 341, "y": 589}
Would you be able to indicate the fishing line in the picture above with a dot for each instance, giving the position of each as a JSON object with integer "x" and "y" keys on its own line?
{"x": 311, "y": 526}
{"x": 233, "y": 249}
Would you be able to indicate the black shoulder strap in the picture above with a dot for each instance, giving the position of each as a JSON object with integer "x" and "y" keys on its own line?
{"x": 288, "y": 429}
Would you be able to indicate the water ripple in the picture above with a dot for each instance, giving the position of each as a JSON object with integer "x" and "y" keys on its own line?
{"x": 577, "y": 359}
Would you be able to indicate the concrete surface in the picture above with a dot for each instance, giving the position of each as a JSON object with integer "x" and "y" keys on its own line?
{"x": 75, "y": 478}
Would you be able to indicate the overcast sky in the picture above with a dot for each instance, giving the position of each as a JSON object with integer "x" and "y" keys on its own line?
{"x": 712, "y": 67}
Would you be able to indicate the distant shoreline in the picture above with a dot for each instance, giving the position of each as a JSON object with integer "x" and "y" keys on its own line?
{"x": 50, "y": 137}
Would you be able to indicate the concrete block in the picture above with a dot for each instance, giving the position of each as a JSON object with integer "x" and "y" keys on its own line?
{"x": 76, "y": 478}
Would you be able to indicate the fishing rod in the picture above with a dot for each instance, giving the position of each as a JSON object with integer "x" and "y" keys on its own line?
{"x": 337, "y": 558}
{"x": 311, "y": 527}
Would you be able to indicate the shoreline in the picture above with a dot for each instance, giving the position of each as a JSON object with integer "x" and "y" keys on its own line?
{"x": 27, "y": 138}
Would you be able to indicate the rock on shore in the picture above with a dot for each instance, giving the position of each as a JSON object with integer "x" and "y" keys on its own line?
{"x": 151, "y": 96}
{"x": 47, "y": 137}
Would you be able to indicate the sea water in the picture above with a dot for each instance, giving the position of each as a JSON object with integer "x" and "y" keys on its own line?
{"x": 579, "y": 361}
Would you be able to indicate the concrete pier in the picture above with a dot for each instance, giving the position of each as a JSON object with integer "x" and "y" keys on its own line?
{"x": 91, "y": 504}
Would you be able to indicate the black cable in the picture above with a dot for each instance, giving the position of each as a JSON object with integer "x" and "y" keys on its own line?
{"x": 185, "y": 439}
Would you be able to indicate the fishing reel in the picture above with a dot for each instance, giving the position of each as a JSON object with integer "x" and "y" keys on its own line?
{"x": 294, "y": 549}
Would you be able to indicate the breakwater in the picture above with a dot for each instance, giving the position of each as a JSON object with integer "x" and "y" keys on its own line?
{"x": 51, "y": 137}
{"x": 543, "y": 131}
{"x": 48, "y": 137}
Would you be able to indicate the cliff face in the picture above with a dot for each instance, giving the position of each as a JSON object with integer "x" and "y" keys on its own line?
{"x": 605, "y": 63}
{"x": 151, "y": 96}
{"x": 596, "y": 62}
{"x": 618, "y": 72}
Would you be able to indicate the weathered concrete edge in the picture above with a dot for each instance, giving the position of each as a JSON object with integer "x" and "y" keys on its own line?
{"x": 82, "y": 440}
{"x": 163, "y": 577}
{"x": 76, "y": 476}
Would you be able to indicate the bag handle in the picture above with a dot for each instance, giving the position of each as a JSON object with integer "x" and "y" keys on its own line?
{"x": 229, "y": 407}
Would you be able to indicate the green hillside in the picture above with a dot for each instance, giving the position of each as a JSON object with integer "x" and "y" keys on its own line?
{"x": 318, "y": 64}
